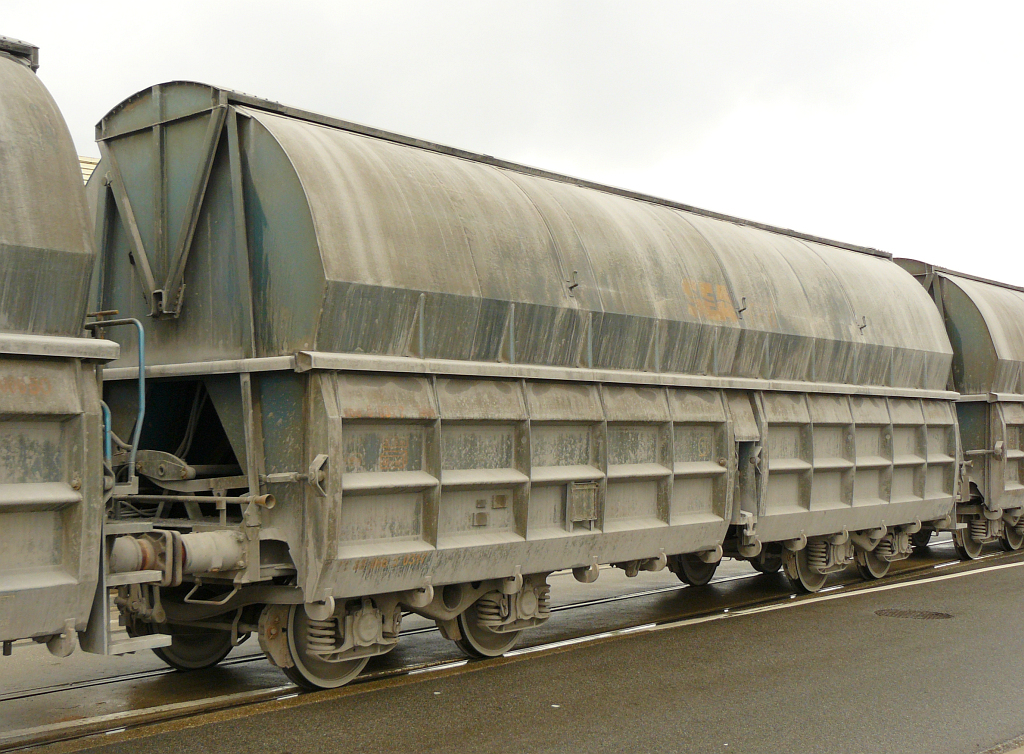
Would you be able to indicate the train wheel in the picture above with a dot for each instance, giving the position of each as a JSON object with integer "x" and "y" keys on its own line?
{"x": 922, "y": 539}
{"x": 870, "y": 566}
{"x": 767, "y": 562}
{"x": 479, "y": 640}
{"x": 799, "y": 572}
{"x": 692, "y": 570}
{"x": 1012, "y": 539}
{"x": 195, "y": 649}
{"x": 966, "y": 546}
{"x": 311, "y": 671}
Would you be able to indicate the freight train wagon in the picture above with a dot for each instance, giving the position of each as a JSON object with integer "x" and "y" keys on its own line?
{"x": 386, "y": 376}
{"x": 985, "y": 323}
{"x": 51, "y": 448}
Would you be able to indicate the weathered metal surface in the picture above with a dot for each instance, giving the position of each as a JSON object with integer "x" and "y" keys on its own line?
{"x": 985, "y": 322}
{"x": 449, "y": 370}
{"x": 51, "y": 445}
{"x": 379, "y": 245}
{"x": 25, "y": 53}
{"x": 46, "y": 252}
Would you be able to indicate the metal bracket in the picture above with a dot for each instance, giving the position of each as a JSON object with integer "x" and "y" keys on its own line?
{"x": 318, "y": 474}
{"x": 223, "y": 601}
{"x": 573, "y": 284}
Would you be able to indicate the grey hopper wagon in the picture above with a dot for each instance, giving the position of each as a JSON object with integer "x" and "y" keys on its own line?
{"x": 51, "y": 457}
{"x": 392, "y": 375}
{"x": 985, "y": 322}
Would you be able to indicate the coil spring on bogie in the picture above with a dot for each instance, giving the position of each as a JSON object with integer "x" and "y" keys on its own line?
{"x": 817, "y": 555}
{"x": 321, "y": 636}
{"x": 489, "y": 610}
{"x": 886, "y": 548}
{"x": 543, "y": 601}
{"x": 979, "y": 529}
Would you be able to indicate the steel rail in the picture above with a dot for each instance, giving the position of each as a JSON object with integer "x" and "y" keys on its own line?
{"x": 117, "y": 722}
{"x": 157, "y": 672}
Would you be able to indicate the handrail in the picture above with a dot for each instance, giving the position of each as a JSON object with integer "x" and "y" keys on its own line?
{"x": 141, "y": 415}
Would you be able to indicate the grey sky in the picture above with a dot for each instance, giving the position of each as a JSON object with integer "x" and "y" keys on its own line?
{"x": 891, "y": 124}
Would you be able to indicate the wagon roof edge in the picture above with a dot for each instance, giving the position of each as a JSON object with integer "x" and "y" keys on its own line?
{"x": 229, "y": 96}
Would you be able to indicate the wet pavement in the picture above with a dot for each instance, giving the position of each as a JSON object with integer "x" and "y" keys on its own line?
{"x": 636, "y": 679}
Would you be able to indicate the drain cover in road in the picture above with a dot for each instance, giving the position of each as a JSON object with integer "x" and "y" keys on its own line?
{"x": 916, "y": 614}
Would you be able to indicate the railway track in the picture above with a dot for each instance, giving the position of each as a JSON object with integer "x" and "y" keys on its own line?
{"x": 86, "y": 732}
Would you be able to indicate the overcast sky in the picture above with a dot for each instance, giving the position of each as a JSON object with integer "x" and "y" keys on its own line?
{"x": 891, "y": 124}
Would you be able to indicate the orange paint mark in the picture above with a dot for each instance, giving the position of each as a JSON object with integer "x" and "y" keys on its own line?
{"x": 25, "y": 385}
{"x": 709, "y": 301}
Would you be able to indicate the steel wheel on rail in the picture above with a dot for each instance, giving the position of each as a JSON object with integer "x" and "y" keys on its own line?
{"x": 768, "y": 561}
{"x": 799, "y": 572}
{"x": 692, "y": 570}
{"x": 311, "y": 671}
{"x": 479, "y": 640}
{"x": 966, "y": 546}
{"x": 1012, "y": 538}
{"x": 870, "y": 566}
{"x": 922, "y": 539}
{"x": 195, "y": 648}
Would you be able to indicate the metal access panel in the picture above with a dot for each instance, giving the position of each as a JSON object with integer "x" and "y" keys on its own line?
{"x": 51, "y": 495}
{"x": 854, "y": 462}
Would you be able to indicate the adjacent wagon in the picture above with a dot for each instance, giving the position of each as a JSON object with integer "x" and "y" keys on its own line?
{"x": 51, "y": 450}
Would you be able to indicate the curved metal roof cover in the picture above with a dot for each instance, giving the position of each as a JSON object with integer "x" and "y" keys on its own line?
{"x": 398, "y": 247}
{"x": 46, "y": 247}
{"x": 985, "y": 320}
